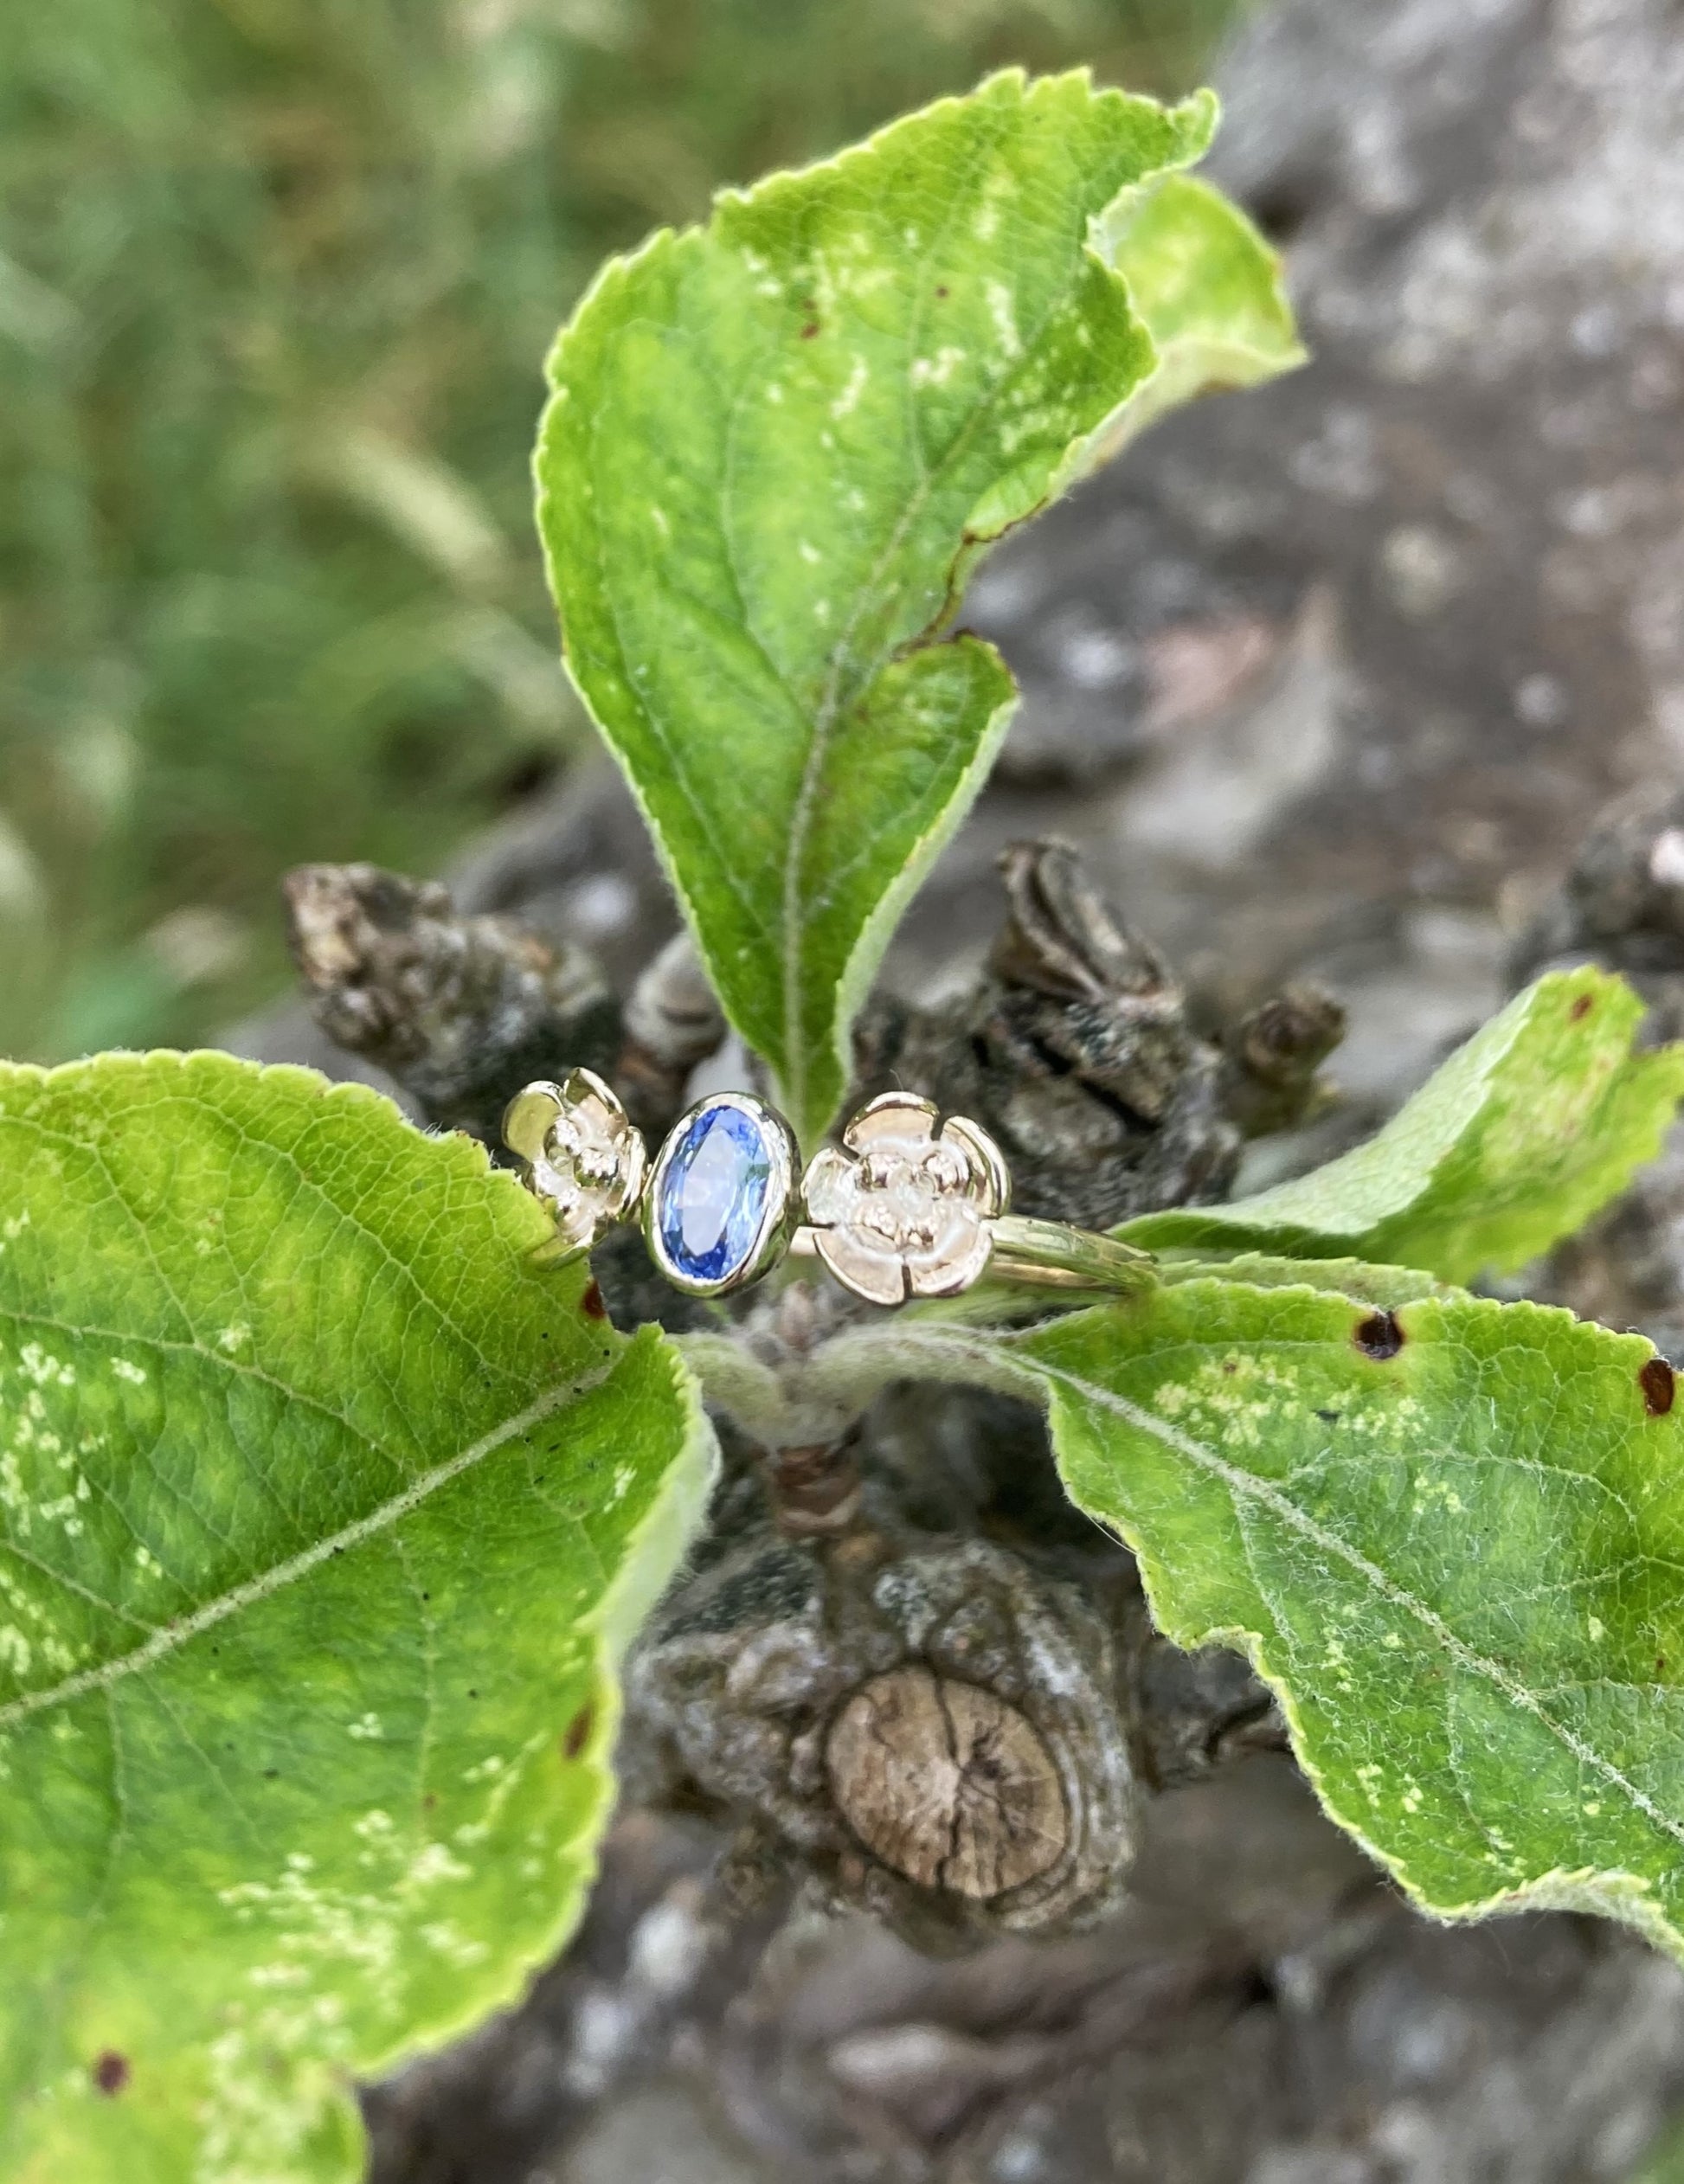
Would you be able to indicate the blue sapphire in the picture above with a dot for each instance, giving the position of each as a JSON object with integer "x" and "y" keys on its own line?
{"x": 713, "y": 1193}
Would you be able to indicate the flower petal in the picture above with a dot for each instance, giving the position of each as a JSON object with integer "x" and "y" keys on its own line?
{"x": 894, "y": 1118}
{"x": 875, "y": 1275}
{"x": 827, "y": 1189}
{"x": 944, "y": 1275}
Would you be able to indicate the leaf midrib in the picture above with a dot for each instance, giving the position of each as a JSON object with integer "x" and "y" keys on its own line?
{"x": 173, "y": 1636}
{"x": 1246, "y": 1486}
{"x": 794, "y": 920}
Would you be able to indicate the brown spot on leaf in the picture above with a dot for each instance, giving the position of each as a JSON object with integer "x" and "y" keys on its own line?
{"x": 111, "y": 2072}
{"x": 1658, "y": 1384}
{"x": 941, "y": 291}
{"x": 577, "y": 1734}
{"x": 1581, "y": 1008}
{"x": 1380, "y": 1335}
{"x": 591, "y": 1303}
{"x": 809, "y": 330}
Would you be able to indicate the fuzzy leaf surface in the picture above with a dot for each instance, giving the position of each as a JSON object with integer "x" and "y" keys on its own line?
{"x": 322, "y": 1515}
{"x": 1458, "y": 1560}
{"x": 1538, "y": 1121}
{"x": 774, "y": 448}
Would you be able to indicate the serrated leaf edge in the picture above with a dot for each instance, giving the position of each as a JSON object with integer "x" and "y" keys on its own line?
{"x": 653, "y": 1550}
{"x": 1198, "y": 113}
{"x": 465, "y": 1154}
{"x": 1301, "y": 1240}
{"x": 1609, "y": 1892}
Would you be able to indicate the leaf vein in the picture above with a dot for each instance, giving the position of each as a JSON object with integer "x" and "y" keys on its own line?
{"x": 175, "y": 1635}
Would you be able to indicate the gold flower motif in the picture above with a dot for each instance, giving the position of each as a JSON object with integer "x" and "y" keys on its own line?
{"x": 899, "y": 1210}
{"x": 580, "y": 1155}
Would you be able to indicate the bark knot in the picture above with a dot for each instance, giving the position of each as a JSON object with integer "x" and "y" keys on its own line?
{"x": 947, "y": 1783}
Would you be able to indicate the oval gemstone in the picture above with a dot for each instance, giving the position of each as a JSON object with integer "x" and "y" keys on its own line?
{"x": 713, "y": 1194}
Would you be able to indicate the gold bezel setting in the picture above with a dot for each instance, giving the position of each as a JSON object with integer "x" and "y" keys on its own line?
{"x": 754, "y": 1211}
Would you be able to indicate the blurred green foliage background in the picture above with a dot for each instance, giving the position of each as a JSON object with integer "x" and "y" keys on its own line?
{"x": 277, "y": 277}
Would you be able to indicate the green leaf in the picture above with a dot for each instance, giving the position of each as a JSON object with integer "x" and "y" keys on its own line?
{"x": 776, "y": 448}
{"x": 1385, "y": 1286}
{"x": 322, "y": 1515}
{"x": 1207, "y": 287}
{"x": 1451, "y": 1538}
{"x": 1541, "y": 1118}
{"x": 1664, "y": 2162}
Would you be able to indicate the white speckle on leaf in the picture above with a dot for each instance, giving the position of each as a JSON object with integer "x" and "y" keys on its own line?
{"x": 850, "y": 394}
{"x": 45, "y": 1371}
{"x": 234, "y": 1337}
{"x": 1232, "y": 1397}
{"x": 273, "y": 1975}
{"x": 809, "y": 554}
{"x": 13, "y": 1497}
{"x": 1013, "y": 433}
{"x": 125, "y": 1370}
{"x": 328, "y": 1946}
{"x": 432, "y": 1863}
{"x": 774, "y": 392}
{"x": 936, "y": 370}
{"x": 367, "y": 1730}
{"x": 1005, "y": 317}
{"x": 448, "y": 1942}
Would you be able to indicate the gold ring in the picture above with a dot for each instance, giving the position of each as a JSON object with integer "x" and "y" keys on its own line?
{"x": 907, "y": 1205}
